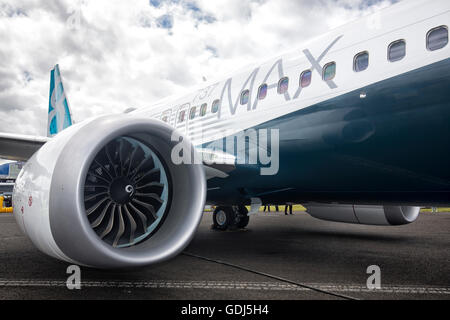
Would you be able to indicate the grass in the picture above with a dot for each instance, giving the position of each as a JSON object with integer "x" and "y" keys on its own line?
{"x": 438, "y": 210}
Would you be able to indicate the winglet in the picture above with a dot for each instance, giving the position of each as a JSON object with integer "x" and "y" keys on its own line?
{"x": 59, "y": 115}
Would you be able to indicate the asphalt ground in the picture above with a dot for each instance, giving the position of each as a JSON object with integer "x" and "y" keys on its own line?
{"x": 414, "y": 261}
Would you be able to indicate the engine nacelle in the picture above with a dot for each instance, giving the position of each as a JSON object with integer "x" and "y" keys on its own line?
{"x": 106, "y": 194}
{"x": 367, "y": 215}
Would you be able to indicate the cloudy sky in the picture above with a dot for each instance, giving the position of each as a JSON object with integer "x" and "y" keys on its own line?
{"x": 116, "y": 54}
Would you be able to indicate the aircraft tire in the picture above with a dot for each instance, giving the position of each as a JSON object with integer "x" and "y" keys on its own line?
{"x": 223, "y": 218}
{"x": 244, "y": 219}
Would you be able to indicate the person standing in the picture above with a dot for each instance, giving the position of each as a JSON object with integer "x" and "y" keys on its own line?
{"x": 288, "y": 207}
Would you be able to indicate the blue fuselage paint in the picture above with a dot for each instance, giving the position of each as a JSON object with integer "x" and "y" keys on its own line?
{"x": 385, "y": 143}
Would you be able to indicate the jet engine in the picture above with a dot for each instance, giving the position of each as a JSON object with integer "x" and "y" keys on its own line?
{"x": 105, "y": 193}
{"x": 364, "y": 214}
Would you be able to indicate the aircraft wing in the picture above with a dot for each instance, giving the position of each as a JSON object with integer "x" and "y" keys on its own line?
{"x": 19, "y": 147}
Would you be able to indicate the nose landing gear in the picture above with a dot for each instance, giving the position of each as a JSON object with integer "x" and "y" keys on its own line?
{"x": 226, "y": 218}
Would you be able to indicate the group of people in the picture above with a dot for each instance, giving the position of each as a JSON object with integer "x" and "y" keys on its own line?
{"x": 288, "y": 208}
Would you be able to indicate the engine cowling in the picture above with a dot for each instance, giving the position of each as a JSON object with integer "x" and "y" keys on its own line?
{"x": 364, "y": 214}
{"x": 105, "y": 194}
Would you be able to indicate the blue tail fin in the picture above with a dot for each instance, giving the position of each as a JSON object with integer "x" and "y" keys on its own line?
{"x": 59, "y": 116}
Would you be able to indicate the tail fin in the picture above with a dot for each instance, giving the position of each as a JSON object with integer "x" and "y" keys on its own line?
{"x": 59, "y": 115}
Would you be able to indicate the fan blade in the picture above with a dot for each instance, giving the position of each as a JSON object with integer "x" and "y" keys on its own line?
{"x": 96, "y": 195}
{"x": 121, "y": 162}
{"x": 151, "y": 184}
{"x": 153, "y": 196}
{"x": 149, "y": 207}
{"x": 96, "y": 206}
{"x": 98, "y": 186}
{"x": 121, "y": 229}
{"x": 99, "y": 220}
{"x": 98, "y": 177}
{"x": 104, "y": 168}
{"x": 132, "y": 222}
{"x": 156, "y": 170}
{"x": 111, "y": 163}
{"x": 140, "y": 215}
{"x": 131, "y": 159}
{"x": 141, "y": 165}
{"x": 110, "y": 225}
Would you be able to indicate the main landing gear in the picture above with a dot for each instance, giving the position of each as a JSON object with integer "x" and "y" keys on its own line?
{"x": 235, "y": 217}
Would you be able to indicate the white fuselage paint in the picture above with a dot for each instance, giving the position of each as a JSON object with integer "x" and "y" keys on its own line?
{"x": 407, "y": 20}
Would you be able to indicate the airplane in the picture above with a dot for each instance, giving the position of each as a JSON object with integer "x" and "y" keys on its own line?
{"x": 352, "y": 124}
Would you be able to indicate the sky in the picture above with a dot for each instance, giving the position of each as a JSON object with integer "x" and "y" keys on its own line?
{"x": 117, "y": 54}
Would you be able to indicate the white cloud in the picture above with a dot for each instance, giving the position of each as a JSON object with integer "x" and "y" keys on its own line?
{"x": 131, "y": 53}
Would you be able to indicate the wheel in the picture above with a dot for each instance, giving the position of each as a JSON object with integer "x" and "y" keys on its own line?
{"x": 244, "y": 219}
{"x": 223, "y": 218}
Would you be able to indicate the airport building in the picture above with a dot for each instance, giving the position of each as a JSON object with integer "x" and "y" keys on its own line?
{"x": 10, "y": 171}
{"x": 8, "y": 174}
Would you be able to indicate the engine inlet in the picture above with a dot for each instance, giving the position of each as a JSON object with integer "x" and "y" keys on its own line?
{"x": 127, "y": 193}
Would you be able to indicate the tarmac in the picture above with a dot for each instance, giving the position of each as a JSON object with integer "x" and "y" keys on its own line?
{"x": 277, "y": 257}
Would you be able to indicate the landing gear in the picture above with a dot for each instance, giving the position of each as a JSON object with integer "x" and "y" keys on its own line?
{"x": 243, "y": 218}
{"x": 225, "y": 218}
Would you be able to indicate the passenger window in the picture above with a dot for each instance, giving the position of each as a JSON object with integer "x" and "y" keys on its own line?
{"x": 245, "y": 96}
{"x": 305, "y": 78}
{"x": 182, "y": 116}
{"x": 361, "y": 62}
{"x": 437, "y": 38}
{"x": 204, "y": 110}
{"x": 193, "y": 113}
{"x": 283, "y": 85}
{"x": 329, "y": 71}
{"x": 262, "y": 92}
{"x": 166, "y": 116}
{"x": 215, "y": 106}
{"x": 397, "y": 50}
